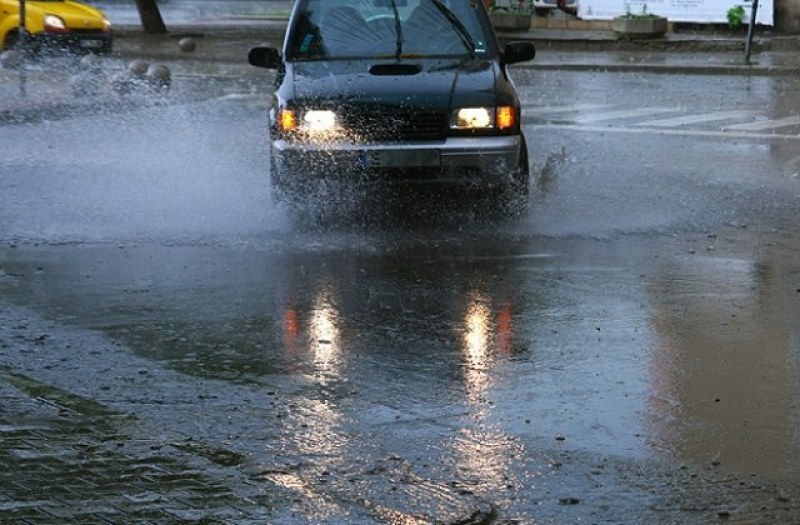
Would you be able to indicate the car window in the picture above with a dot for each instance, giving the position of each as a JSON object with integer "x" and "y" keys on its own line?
{"x": 339, "y": 29}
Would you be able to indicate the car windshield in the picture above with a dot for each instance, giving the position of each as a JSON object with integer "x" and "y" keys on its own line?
{"x": 343, "y": 29}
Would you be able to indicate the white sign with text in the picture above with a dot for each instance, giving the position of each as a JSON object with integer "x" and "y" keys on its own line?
{"x": 697, "y": 11}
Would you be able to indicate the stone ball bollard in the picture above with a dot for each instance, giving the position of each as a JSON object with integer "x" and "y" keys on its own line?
{"x": 187, "y": 44}
{"x": 123, "y": 83}
{"x": 90, "y": 62}
{"x": 83, "y": 85}
{"x": 89, "y": 78}
{"x": 159, "y": 77}
{"x": 11, "y": 59}
{"x": 138, "y": 67}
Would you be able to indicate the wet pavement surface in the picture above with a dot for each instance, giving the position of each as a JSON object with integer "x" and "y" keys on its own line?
{"x": 351, "y": 384}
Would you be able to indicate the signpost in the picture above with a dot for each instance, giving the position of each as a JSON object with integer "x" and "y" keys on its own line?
{"x": 750, "y": 31}
{"x": 22, "y": 30}
{"x": 22, "y": 45}
{"x": 688, "y": 11}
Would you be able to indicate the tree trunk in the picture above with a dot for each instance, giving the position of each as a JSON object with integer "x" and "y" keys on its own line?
{"x": 152, "y": 22}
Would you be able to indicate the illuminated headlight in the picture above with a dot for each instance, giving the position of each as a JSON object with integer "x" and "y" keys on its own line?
{"x": 106, "y": 24}
{"x": 472, "y": 118}
{"x": 502, "y": 117}
{"x": 54, "y": 23}
{"x": 319, "y": 121}
{"x": 309, "y": 121}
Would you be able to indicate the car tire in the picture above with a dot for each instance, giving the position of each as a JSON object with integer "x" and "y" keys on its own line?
{"x": 518, "y": 189}
{"x": 11, "y": 39}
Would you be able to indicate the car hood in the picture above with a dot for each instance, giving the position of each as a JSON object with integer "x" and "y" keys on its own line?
{"x": 422, "y": 84}
{"x": 74, "y": 14}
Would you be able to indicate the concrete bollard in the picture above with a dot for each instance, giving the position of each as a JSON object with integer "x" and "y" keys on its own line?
{"x": 138, "y": 67}
{"x": 90, "y": 62}
{"x": 123, "y": 83}
{"x": 90, "y": 77}
{"x": 187, "y": 44}
{"x": 159, "y": 77}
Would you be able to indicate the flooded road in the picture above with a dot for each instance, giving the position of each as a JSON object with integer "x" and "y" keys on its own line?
{"x": 626, "y": 353}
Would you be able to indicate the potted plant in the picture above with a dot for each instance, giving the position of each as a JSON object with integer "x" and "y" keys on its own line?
{"x": 639, "y": 25}
{"x": 515, "y": 16}
{"x": 736, "y": 18}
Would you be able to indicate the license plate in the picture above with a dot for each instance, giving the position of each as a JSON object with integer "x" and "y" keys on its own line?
{"x": 91, "y": 44}
{"x": 408, "y": 158}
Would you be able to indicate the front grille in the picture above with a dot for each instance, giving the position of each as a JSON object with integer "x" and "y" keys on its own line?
{"x": 395, "y": 126}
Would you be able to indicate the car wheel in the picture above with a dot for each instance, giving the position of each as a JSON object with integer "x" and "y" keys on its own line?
{"x": 11, "y": 39}
{"x": 518, "y": 189}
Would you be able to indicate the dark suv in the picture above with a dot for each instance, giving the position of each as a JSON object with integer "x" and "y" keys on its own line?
{"x": 394, "y": 91}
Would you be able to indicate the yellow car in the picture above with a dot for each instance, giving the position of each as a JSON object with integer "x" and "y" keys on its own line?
{"x": 56, "y": 25}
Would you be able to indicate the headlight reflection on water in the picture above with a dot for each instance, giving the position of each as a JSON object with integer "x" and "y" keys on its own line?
{"x": 325, "y": 336}
{"x": 477, "y": 333}
{"x": 313, "y": 427}
{"x": 485, "y": 453}
{"x": 485, "y": 335}
{"x": 315, "y": 335}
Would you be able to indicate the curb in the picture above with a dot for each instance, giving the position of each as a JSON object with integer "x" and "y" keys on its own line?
{"x": 568, "y": 51}
{"x": 230, "y": 45}
{"x": 721, "y": 70}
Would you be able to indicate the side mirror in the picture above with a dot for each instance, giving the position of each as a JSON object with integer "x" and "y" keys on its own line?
{"x": 264, "y": 56}
{"x": 518, "y": 52}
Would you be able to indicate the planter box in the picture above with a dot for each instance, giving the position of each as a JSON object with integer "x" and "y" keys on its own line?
{"x": 511, "y": 21}
{"x": 639, "y": 27}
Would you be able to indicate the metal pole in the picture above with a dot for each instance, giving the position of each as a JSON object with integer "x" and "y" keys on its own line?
{"x": 23, "y": 34}
{"x": 22, "y": 48}
{"x": 750, "y": 30}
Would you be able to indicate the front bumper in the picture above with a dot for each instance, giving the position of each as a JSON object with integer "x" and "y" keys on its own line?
{"x": 482, "y": 160}
{"x": 553, "y": 4}
{"x": 88, "y": 41}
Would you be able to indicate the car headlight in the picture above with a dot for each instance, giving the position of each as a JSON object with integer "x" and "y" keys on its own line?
{"x": 501, "y": 117}
{"x": 106, "y": 24}
{"x": 311, "y": 122}
{"x": 319, "y": 121}
{"x": 54, "y": 23}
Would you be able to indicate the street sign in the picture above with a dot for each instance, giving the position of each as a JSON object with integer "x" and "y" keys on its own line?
{"x": 692, "y": 11}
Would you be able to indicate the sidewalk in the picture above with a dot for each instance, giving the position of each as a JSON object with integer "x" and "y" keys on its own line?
{"x": 222, "y": 46}
{"x": 228, "y": 40}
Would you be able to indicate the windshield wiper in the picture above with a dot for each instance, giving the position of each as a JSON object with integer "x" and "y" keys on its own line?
{"x": 398, "y": 30}
{"x": 462, "y": 31}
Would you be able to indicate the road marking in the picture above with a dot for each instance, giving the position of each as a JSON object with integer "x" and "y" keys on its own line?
{"x": 546, "y": 110}
{"x": 668, "y": 132}
{"x": 620, "y": 114}
{"x": 700, "y": 119}
{"x": 767, "y": 124}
